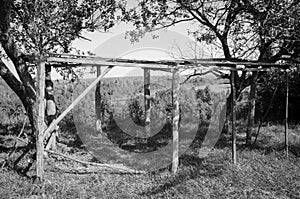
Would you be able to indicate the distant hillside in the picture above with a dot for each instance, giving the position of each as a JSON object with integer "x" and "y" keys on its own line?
{"x": 126, "y": 85}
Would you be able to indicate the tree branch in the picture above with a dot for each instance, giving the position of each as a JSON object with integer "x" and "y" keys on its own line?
{"x": 232, "y": 13}
{"x": 213, "y": 71}
{"x": 11, "y": 80}
{"x": 25, "y": 25}
{"x": 172, "y": 24}
{"x": 12, "y": 50}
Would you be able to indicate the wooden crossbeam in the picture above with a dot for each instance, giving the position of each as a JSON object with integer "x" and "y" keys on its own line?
{"x": 109, "y": 62}
{"x": 163, "y": 64}
{"x": 226, "y": 63}
{"x": 216, "y": 68}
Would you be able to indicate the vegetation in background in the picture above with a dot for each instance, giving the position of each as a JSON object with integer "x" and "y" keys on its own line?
{"x": 29, "y": 29}
{"x": 274, "y": 83}
{"x": 263, "y": 31}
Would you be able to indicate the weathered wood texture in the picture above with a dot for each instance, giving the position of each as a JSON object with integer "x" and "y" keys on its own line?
{"x": 52, "y": 141}
{"x": 233, "y": 115}
{"x": 286, "y": 127}
{"x": 98, "y": 103}
{"x": 39, "y": 119}
{"x": 175, "y": 120}
{"x": 251, "y": 113}
{"x": 163, "y": 64}
{"x": 147, "y": 103}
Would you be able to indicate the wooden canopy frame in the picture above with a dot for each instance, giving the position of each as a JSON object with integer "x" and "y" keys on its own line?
{"x": 172, "y": 66}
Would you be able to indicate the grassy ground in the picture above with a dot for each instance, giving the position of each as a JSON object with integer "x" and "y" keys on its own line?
{"x": 261, "y": 172}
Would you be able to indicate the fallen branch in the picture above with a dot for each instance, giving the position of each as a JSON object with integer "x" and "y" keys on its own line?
{"x": 84, "y": 171}
{"x": 119, "y": 167}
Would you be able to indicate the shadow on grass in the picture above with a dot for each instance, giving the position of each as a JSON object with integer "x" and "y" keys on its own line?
{"x": 295, "y": 150}
{"x": 191, "y": 167}
{"x": 71, "y": 139}
{"x": 279, "y": 147}
{"x": 225, "y": 140}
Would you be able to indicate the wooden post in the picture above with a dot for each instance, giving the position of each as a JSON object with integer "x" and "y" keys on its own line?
{"x": 233, "y": 115}
{"x": 286, "y": 128}
{"x": 175, "y": 119}
{"x": 75, "y": 102}
{"x": 147, "y": 101}
{"x": 40, "y": 119}
{"x": 251, "y": 113}
{"x": 98, "y": 103}
{"x": 52, "y": 140}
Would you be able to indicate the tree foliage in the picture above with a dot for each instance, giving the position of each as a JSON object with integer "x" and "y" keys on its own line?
{"x": 240, "y": 27}
{"x": 260, "y": 30}
{"x": 272, "y": 96}
{"x": 30, "y": 28}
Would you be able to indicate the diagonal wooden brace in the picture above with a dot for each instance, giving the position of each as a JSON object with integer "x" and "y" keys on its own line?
{"x": 75, "y": 102}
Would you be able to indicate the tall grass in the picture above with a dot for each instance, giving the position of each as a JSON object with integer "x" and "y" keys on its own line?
{"x": 258, "y": 174}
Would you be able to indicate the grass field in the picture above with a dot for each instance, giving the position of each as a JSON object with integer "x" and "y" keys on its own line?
{"x": 261, "y": 172}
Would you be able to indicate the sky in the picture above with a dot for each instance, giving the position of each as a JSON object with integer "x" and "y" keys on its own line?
{"x": 170, "y": 44}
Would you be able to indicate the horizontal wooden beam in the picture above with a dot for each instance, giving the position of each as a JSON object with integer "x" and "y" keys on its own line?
{"x": 166, "y": 66}
{"x": 224, "y": 62}
{"x": 220, "y": 62}
{"x": 106, "y": 62}
{"x": 165, "y": 62}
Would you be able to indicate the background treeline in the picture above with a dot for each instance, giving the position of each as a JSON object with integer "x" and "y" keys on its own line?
{"x": 124, "y": 96}
{"x": 122, "y": 99}
{"x": 274, "y": 83}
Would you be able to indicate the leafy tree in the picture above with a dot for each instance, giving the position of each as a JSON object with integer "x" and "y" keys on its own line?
{"x": 260, "y": 30}
{"x": 30, "y": 28}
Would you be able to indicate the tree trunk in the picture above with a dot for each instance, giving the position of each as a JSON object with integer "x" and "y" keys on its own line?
{"x": 238, "y": 90}
{"x": 25, "y": 88}
{"x": 27, "y": 100}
